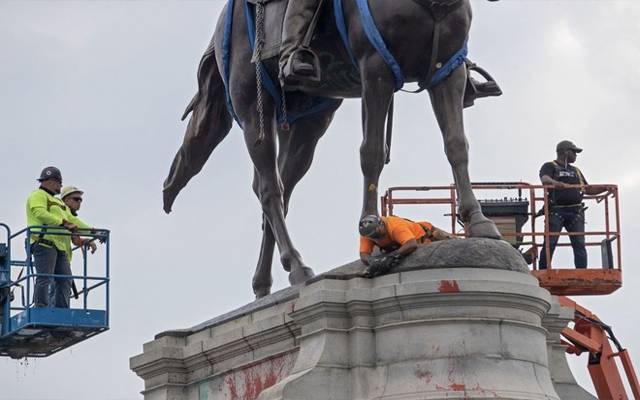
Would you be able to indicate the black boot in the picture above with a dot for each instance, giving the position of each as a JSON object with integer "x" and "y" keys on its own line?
{"x": 298, "y": 63}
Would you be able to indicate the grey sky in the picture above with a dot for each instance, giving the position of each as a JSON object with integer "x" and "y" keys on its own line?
{"x": 97, "y": 88}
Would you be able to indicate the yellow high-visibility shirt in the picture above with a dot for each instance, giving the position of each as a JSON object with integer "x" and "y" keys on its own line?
{"x": 43, "y": 209}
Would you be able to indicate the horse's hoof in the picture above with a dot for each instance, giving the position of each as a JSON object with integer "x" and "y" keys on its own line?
{"x": 483, "y": 228}
{"x": 261, "y": 292}
{"x": 300, "y": 275}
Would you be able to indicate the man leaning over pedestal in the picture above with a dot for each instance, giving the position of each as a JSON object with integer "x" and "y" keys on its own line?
{"x": 48, "y": 250}
{"x": 396, "y": 238}
{"x": 566, "y": 209}
{"x": 297, "y": 59}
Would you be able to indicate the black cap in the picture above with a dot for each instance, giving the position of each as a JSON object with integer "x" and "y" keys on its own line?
{"x": 50, "y": 173}
{"x": 568, "y": 145}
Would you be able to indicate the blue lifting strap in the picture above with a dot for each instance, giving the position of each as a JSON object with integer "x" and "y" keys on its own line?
{"x": 372, "y": 32}
{"x": 450, "y": 66}
{"x": 338, "y": 13}
{"x": 377, "y": 41}
{"x": 226, "y": 58}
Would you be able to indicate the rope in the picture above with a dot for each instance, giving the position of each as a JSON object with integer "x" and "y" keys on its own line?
{"x": 258, "y": 46}
{"x": 285, "y": 125}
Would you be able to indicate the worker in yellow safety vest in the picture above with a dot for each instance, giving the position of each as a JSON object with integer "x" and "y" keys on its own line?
{"x": 49, "y": 245}
{"x": 396, "y": 238}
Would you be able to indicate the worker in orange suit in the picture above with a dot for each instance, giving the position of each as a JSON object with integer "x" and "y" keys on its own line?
{"x": 396, "y": 238}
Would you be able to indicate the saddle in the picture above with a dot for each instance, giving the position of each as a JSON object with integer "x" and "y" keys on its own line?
{"x": 274, "y": 11}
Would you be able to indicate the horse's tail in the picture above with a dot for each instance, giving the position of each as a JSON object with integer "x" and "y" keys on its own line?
{"x": 209, "y": 124}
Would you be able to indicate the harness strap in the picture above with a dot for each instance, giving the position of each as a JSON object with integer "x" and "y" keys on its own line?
{"x": 437, "y": 72}
{"x": 338, "y": 13}
{"x": 306, "y": 41}
{"x": 435, "y": 46}
{"x": 389, "y": 133}
{"x": 45, "y": 242}
{"x": 445, "y": 70}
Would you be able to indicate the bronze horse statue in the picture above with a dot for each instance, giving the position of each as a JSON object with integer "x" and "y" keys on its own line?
{"x": 282, "y": 156}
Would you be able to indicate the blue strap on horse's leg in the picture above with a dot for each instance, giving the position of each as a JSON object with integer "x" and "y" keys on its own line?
{"x": 226, "y": 58}
{"x": 372, "y": 32}
{"x": 454, "y": 62}
{"x": 338, "y": 13}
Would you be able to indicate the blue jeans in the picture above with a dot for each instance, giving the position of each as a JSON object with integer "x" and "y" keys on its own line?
{"x": 49, "y": 260}
{"x": 572, "y": 219}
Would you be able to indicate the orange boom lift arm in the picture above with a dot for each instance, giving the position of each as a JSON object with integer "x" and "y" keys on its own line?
{"x": 591, "y": 334}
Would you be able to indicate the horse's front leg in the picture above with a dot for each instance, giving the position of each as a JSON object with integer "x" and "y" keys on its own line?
{"x": 447, "y": 100}
{"x": 377, "y": 92}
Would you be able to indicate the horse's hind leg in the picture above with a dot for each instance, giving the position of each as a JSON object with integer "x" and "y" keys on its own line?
{"x": 296, "y": 150}
{"x": 446, "y": 99}
{"x": 270, "y": 193}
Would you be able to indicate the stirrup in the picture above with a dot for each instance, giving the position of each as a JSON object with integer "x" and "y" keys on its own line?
{"x": 290, "y": 78}
{"x": 477, "y": 90}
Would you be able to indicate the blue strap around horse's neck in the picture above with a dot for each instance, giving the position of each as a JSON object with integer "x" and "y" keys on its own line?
{"x": 226, "y": 58}
{"x": 372, "y": 32}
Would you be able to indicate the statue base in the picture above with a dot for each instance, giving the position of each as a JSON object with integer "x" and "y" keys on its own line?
{"x": 458, "y": 319}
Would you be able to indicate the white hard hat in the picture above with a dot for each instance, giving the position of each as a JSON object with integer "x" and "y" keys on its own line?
{"x": 67, "y": 190}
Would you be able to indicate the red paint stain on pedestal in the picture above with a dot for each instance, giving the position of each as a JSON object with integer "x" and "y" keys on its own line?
{"x": 448, "y": 287}
{"x": 454, "y": 387}
{"x": 247, "y": 384}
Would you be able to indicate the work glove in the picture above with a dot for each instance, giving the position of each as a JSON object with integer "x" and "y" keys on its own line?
{"x": 381, "y": 265}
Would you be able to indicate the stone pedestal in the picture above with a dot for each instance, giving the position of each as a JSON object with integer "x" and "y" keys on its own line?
{"x": 458, "y": 319}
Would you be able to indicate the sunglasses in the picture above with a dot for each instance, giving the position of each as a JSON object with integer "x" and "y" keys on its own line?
{"x": 78, "y": 199}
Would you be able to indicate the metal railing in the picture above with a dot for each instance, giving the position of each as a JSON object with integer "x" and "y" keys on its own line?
{"x": 537, "y": 199}
{"x": 27, "y": 274}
